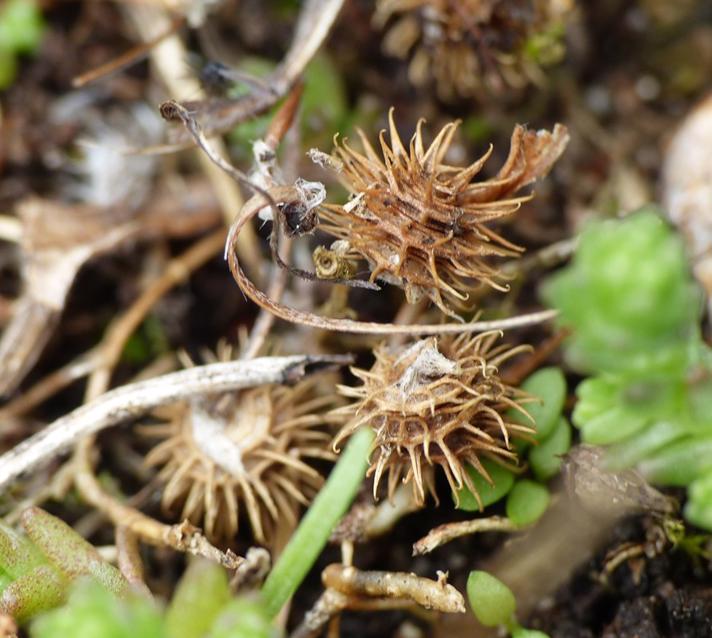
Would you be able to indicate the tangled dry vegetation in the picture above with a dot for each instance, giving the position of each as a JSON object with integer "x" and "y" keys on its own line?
{"x": 399, "y": 268}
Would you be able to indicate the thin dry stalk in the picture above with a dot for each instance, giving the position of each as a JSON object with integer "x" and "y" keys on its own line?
{"x": 176, "y": 271}
{"x": 131, "y": 401}
{"x": 450, "y": 531}
{"x": 129, "y": 559}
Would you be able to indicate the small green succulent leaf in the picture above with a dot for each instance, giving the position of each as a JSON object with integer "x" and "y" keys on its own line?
{"x": 68, "y": 551}
{"x": 201, "y": 594}
{"x": 681, "y": 462}
{"x": 18, "y": 555}
{"x": 548, "y": 387}
{"x": 243, "y": 618}
{"x": 93, "y": 611}
{"x": 526, "y": 502}
{"x": 523, "y": 632}
{"x": 545, "y": 459}
{"x": 489, "y": 493}
{"x": 39, "y": 590}
{"x": 698, "y": 509}
{"x": 491, "y": 600}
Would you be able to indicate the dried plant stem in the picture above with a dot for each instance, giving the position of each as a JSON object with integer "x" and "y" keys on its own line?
{"x": 132, "y": 400}
{"x": 129, "y": 559}
{"x": 168, "y": 58}
{"x": 183, "y": 537}
{"x": 51, "y": 384}
{"x": 176, "y": 271}
{"x": 288, "y": 193}
{"x": 450, "y": 531}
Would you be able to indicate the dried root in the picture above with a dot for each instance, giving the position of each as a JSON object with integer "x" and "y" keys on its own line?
{"x": 435, "y": 403}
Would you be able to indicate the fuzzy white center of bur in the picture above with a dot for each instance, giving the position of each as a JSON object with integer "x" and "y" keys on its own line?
{"x": 312, "y": 194}
{"x": 212, "y": 439}
{"x": 429, "y": 363}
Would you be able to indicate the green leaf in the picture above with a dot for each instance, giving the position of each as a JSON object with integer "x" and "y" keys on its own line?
{"x": 314, "y": 530}
{"x": 521, "y": 632}
{"x": 628, "y": 295}
{"x": 201, "y": 594}
{"x": 39, "y": 590}
{"x": 21, "y": 26}
{"x": 698, "y": 509}
{"x": 69, "y": 552}
{"x": 18, "y": 555}
{"x": 502, "y": 481}
{"x": 491, "y": 600}
{"x": 527, "y": 502}
{"x": 548, "y": 385}
{"x": 545, "y": 458}
{"x": 93, "y": 612}
{"x": 681, "y": 462}
{"x": 243, "y": 618}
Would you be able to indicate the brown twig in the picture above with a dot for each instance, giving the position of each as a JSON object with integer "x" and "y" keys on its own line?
{"x": 126, "y": 59}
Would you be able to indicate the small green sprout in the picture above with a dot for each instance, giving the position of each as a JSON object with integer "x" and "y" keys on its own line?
{"x": 494, "y": 605}
{"x": 548, "y": 385}
{"x": 93, "y": 611}
{"x": 21, "y": 30}
{"x": 202, "y": 593}
{"x": 545, "y": 459}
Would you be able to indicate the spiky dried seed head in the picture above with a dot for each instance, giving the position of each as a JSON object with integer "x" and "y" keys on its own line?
{"x": 436, "y": 403}
{"x": 422, "y": 224}
{"x": 249, "y": 449}
{"x": 470, "y": 47}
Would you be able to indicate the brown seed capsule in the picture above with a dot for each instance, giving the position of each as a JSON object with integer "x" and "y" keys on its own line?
{"x": 243, "y": 450}
{"x": 436, "y": 402}
{"x": 422, "y": 224}
{"x": 471, "y": 46}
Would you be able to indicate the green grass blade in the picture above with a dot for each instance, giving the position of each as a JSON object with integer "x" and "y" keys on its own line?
{"x": 313, "y": 532}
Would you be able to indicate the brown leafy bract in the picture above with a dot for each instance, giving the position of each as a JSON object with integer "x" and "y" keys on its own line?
{"x": 243, "y": 449}
{"x": 471, "y": 46}
{"x": 421, "y": 224}
{"x": 436, "y": 402}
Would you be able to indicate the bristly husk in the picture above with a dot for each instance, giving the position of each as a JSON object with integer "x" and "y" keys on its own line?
{"x": 436, "y": 402}
{"x": 422, "y": 224}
